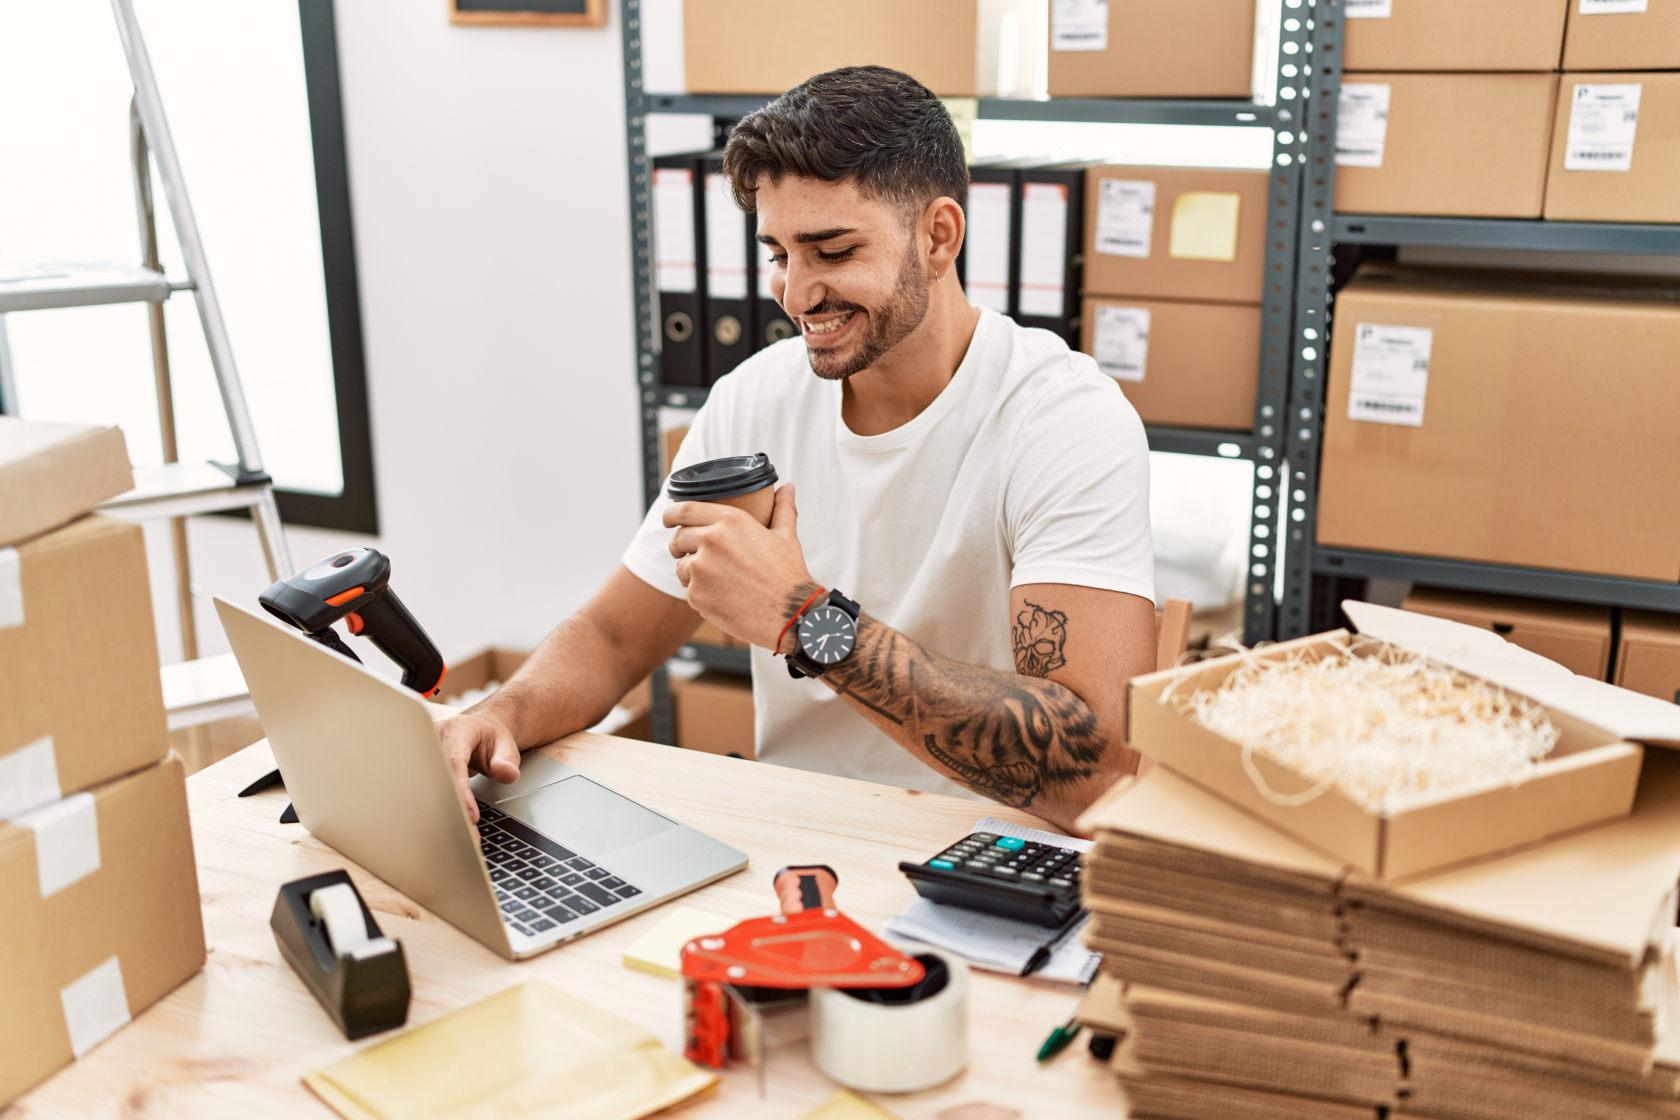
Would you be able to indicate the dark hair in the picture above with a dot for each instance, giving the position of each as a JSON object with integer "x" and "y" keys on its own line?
{"x": 881, "y": 129}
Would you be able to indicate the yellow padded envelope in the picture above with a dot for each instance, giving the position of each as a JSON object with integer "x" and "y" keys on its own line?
{"x": 532, "y": 1052}
{"x": 1204, "y": 226}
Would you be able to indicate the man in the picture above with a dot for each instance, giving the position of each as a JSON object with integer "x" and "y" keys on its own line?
{"x": 978, "y": 489}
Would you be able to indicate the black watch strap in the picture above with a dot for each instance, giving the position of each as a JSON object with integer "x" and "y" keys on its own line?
{"x": 800, "y": 664}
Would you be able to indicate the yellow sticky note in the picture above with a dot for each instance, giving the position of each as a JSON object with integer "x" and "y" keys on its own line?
{"x": 844, "y": 1106}
{"x": 1204, "y": 226}
{"x": 532, "y": 1052}
{"x": 659, "y": 950}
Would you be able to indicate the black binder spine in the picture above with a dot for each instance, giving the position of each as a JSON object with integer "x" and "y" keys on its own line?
{"x": 680, "y": 269}
{"x": 729, "y": 256}
{"x": 989, "y": 263}
{"x": 1051, "y": 262}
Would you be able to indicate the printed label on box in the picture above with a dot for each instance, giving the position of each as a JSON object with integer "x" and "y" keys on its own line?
{"x": 674, "y": 257}
{"x": 1371, "y": 9}
{"x": 1390, "y": 374}
{"x": 726, "y": 242}
{"x": 1125, "y": 217}
{"x": 11, "y": 588}
{"x": 1044, "y": 215}
{"x": 1361, "y": 124}
{"x": 28, "y": 777}
{"x": 987, "y": 246}
{"x": 1121, "y": 341}
{"x": 1602, "y": 120}
{"x": 1078, "y": 25}
{"x": 95, "y": 1006}
{"x": 1609, "y": 7}
{"x": 66, "y": 841}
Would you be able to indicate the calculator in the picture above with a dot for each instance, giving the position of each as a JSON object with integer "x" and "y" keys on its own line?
{"x": 1003, "y": 875}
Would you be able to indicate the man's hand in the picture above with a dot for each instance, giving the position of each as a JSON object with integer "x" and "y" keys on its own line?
{"x": 478, "y": 744}
{"x": 739, "y": 574}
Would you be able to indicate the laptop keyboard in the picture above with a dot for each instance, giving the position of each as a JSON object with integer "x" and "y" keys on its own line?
{"x": 540, "y": 884}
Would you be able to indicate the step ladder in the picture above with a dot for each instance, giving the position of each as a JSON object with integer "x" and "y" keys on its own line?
{"x": 174, "y": 490}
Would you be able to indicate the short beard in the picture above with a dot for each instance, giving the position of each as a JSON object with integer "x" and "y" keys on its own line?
{"x": 890, "y": 324}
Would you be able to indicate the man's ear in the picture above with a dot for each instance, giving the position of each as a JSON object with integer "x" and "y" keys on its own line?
{"x": 941, "y": 231}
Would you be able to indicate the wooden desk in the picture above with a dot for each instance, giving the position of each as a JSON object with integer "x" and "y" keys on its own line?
{"x": 234, "y": 1040}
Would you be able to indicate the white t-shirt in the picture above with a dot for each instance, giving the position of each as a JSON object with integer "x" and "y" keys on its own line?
{"x": 1030, "y": 467}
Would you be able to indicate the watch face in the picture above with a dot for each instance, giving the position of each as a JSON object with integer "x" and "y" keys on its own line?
{"x": 827, "y": 634}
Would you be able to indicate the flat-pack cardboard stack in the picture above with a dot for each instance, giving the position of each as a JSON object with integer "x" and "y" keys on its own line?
{"x": 1249, "y": 972}
{"x": 99, "y": 907}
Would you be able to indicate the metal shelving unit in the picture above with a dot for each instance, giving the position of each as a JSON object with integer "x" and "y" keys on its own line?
{"x": 1321, "y": 231}
{"x": 1263, "y": 445}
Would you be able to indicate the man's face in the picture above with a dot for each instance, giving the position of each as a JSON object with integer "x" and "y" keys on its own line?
{"x": 847, "y": 269}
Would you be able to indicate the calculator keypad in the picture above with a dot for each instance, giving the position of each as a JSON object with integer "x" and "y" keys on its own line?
{"x": 1011, "y": 859}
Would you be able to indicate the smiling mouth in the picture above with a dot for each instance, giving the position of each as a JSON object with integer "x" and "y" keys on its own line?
{"x": 829, "y": 327}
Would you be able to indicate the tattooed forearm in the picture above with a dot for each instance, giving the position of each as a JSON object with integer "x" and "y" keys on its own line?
{"x": 1016, "y": 738}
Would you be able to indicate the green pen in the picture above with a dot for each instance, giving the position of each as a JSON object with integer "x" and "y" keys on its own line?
{"x": 1059, "y": 1038}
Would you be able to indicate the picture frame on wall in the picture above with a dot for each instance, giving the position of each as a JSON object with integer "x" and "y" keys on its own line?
{"x": 528, "y": 13}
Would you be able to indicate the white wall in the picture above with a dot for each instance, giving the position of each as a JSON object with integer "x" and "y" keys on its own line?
{"x": 492, "y": 236}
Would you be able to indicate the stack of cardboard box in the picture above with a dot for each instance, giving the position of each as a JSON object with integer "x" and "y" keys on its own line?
{"x": 97, "y": 882}
{"x": 1251, "y": 973}
{"x": 1459, "y": 109}
{"x": 1174, "y": 276}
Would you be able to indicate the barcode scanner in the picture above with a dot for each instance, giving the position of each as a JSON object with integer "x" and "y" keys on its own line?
{"x": 355, "y": 586}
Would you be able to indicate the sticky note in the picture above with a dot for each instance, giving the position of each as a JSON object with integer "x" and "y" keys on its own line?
{"x": 659, "y": 950}
{"x": 845, "y": 1106}
{"x": 1204, "y": 226}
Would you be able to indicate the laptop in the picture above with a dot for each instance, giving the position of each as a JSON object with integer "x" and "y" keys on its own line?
{"x": 562, "y": 855}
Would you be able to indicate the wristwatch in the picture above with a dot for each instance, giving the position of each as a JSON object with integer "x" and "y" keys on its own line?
{"x": 826, "y": 636}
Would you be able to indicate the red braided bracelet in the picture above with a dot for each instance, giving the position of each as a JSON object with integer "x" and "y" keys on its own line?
{"x": 776, "y": 651}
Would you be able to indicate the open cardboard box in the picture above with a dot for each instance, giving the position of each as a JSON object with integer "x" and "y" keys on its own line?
{"x": 1588, "y": 779}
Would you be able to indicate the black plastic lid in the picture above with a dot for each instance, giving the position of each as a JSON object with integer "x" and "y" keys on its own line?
{"x": 721, "y": 478}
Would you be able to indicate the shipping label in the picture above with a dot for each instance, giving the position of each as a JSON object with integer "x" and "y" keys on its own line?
{"x": 1602, "y": 120}
{"x": 1044, "y": 231}
{"x": 1390, "y": 374}
{"x": 1120, "y": 341}
{"x": 1362, "y": 124}
{"x": 1125, "y": 217}
{"x": 1371, "y": 9}
{"x": 1612, "y": 7}
{"x": 1078, "y": 25}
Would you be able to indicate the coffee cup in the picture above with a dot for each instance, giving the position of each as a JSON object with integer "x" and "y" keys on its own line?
{"x": 745, "y": 481}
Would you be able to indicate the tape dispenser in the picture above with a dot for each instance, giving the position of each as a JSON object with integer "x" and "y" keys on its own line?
{"x": 735, "y": 982}
{"x": 328, "y": 935}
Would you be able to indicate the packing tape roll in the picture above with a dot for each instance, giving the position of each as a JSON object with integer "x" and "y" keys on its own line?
{"x": 893, "y": 1048}
{"x": 338, "y": 908}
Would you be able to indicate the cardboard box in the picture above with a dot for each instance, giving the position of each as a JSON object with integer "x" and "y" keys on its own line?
{"x": 1575, "y": 635}
{"x": 1646, "y": 39}
{"x": 51, "y": 474}
{"x": 1648, "y": 658}
{"x": 714, "y": 713}
{"x": 1645, "y": 191}
{"x": 1195, "y": 364}
{"x": 1590, "y": 776}
{"x": 1545, "y": 435}
{"x": 1464, "y": 144}
{"x": 479, "y": 670}
{"x": 1158, "y": 48}
{"x": 102, "y": 919}
{"x": 78, "y": 655}
{"x": 1175, "y": 233}
{"x": 746, "y": 46}
{"x": 1453, "y": 35}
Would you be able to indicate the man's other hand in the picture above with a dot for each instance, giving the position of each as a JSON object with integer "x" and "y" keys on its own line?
{"x": 478, "y": 744}
{"x": 739, "y": 575}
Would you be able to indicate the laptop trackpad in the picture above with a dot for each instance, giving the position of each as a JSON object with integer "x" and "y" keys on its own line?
{"x": 587, "y": 816}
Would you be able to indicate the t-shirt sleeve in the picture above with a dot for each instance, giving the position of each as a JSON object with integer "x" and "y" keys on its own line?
{"x": 1076, "y": 497}
{"x": 649, "y": 555}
